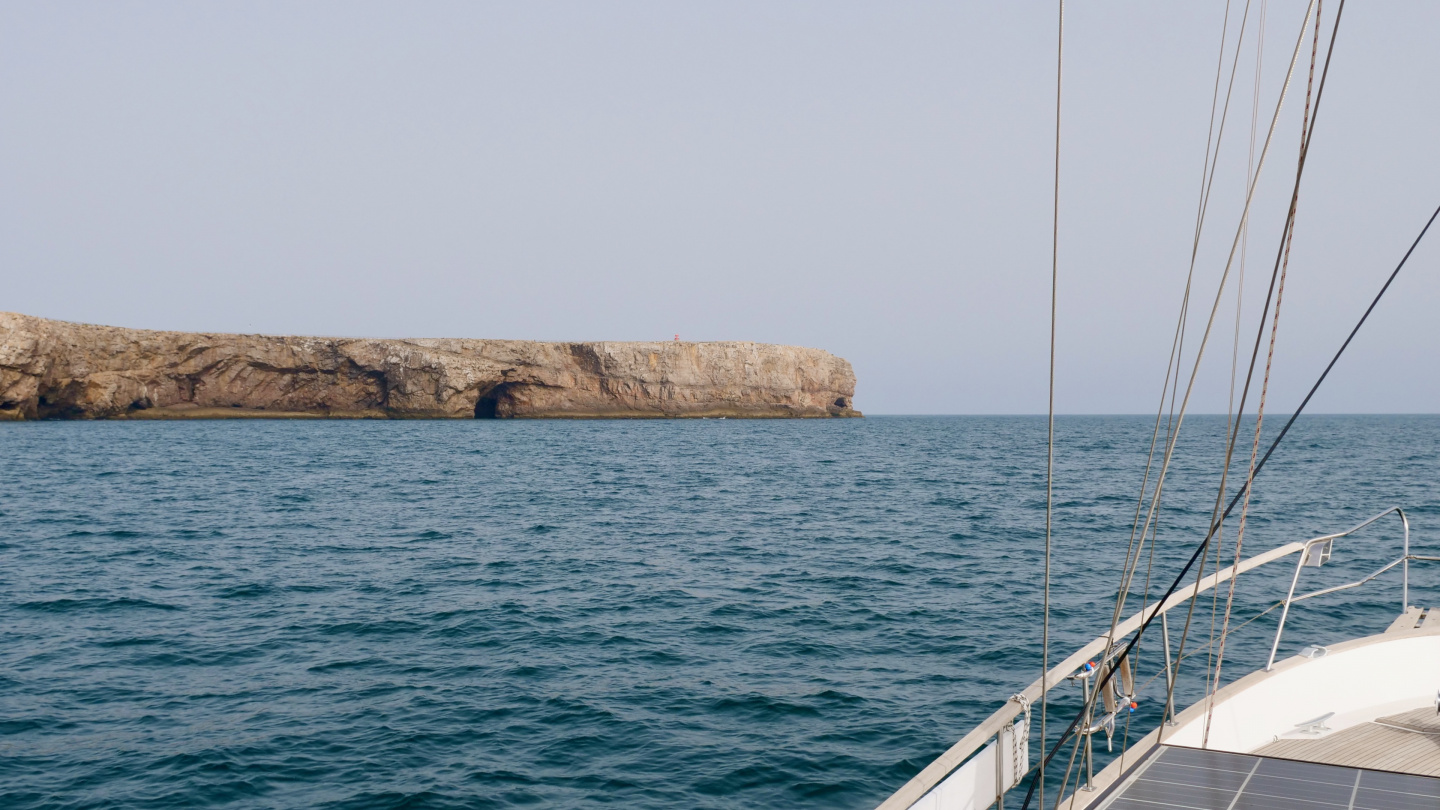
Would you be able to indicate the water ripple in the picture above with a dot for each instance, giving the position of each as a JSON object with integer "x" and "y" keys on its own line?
{"x": 704, "y": 614}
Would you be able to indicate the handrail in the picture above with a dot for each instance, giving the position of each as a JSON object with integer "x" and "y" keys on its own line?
{"x": 941, "y": 767}
{"x": 1324, "y": 554}
{"x": 956, "y": 755}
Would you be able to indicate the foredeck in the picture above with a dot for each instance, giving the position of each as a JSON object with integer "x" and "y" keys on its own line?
{"x": 1271, "y": 716}
{"x": 1360, "y": 710}
{"x": 1408, "y": 742}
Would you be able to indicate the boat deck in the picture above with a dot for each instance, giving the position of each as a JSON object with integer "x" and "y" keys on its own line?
{"x": 1191, "y": 779}
{"x": 1385, "y": 757}
{"x": 1408, "y": 742}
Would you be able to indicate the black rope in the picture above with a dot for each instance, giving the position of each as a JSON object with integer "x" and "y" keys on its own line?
{"x": 1110, "y": 670}
{"x": 1343, "y": 346}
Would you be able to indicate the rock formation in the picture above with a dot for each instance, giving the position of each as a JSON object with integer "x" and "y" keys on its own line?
{"x": 57, "y": 370}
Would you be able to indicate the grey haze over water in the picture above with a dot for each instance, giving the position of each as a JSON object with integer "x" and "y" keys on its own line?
{"x": 872, "y": 179}
{"x": 704, "y": 614}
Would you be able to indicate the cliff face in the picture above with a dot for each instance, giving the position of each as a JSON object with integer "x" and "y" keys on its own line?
{"x": 58, "y": 370}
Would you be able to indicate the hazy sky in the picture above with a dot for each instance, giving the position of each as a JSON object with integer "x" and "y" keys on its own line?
{"x": 872, "y": 179}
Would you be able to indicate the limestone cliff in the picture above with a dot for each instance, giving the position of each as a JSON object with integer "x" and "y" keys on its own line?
{"x": 57, "y": 370}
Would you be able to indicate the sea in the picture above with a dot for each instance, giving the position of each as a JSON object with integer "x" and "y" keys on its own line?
{"x": 638, "y": 614}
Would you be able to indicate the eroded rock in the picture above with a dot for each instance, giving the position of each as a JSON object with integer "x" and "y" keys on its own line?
{"x": 58, "y": 370}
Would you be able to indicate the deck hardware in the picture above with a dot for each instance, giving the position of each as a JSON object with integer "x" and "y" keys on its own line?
{"x": 1019, "y": 738}
{"x": 1316, "y": 727}
{"x": 1318, "y": 554}
{"x": 1318, "y": 549}
{"x": 1090, "y": 726}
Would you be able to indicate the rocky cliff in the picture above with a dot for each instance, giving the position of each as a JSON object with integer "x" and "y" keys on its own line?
{"x": 58, "y": 370}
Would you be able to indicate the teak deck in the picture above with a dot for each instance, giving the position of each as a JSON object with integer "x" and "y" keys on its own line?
{"x": 1408, "y": 742}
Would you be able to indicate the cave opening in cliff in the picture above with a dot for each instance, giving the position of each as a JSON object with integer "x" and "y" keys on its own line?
{"x": 488, "y": 405}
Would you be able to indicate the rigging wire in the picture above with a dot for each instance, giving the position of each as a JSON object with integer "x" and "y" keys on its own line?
{"x": 1151, "y": 527}
{"x": 1230, "y": 415}
{"x": 1184, "y": 571}
{"x": 1169, "y": 452}
{"x": 1311, "y": 393}
{"x": 1207, "y": 176}
{"x": 1050, "y": 431}
{"x": 1152, "y": 516}
{"x": 1265, "y": 381}
{"x": 1273, "y": 445}
{"x": 1207, "y": 180}
{"x": 1250, "y": 177}
{"x": 1244, "y": 218}
{"x": 1260, "y": 332}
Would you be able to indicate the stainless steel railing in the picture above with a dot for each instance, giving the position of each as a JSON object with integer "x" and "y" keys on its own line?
{"x": 1315, "y": 552}
{"x": 989, "y": 730}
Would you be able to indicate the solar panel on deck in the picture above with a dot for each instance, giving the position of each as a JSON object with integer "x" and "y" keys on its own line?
{"x": 1190, "y": 779}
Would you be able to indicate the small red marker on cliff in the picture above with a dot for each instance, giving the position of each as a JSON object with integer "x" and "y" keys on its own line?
{"x": 677, "y": 338}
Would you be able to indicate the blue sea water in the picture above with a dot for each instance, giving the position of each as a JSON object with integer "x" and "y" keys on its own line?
{"x": 699, "y": 614}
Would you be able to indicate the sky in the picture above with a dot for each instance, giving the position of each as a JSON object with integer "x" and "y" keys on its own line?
{"x": 873, "y": 179}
